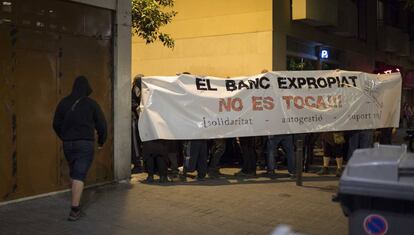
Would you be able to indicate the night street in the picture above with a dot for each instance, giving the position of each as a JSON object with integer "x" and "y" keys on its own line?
{"x": 228, "y": 205}
{"x": 206, "y": 117}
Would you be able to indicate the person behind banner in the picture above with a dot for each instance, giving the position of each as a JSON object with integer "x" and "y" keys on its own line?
{"x": 286, "y": 142}
{"x": 358, "y": 139}
{"x": 195, "y": 158}
{"x": 333, "y": 147}
{"x": 216, "y": 152}
{"x": 172, "y": 147}
{"x": 260, "y": 143}
{"x": 136, "y": 146}
{"x": 248, "y": 156}
{"x": 155, "y": 155}
{"x": 408, "y": 114}
{"x": 386, "y": 134}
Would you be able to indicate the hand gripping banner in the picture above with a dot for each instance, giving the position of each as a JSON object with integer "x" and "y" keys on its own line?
{"x": 280, "y": 102}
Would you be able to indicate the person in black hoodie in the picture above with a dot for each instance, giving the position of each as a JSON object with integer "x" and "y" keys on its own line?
{"x": 136, "y": 146}
{"x": 76, "y": 118}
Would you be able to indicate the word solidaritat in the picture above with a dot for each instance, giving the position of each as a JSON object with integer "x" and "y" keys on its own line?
{"x": 316, "y": 83}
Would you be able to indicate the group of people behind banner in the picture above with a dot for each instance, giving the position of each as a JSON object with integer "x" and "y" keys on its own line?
{"x": 204, "y": 156}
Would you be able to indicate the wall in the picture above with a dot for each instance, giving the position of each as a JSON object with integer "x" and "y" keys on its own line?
{"x": 215, "y": 37}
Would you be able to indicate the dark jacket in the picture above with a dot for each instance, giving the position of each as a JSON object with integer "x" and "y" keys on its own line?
{"x": 155, "y": 147}
{"x": 136, "y": 98}
{"x": 77, "y": 116}
{"x": 135, "y": 102}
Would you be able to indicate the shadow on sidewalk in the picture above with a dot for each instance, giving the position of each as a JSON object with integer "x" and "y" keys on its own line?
{"x": 328, "y": 188}
{"x": 230, "y": 179}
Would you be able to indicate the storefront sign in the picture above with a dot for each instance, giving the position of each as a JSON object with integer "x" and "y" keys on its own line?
{"x": 193, "y": 107}
{"x": 324, "y": 54}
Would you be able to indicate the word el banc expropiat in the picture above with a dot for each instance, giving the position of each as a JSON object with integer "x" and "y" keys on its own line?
{"x": 282, "y": 83}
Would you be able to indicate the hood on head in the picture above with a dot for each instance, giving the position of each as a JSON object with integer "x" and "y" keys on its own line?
{"x": 137, "y": 80}
{"x": 81, "y": 87}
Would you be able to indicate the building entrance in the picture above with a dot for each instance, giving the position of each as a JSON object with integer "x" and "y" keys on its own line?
{"x": 44, "y": 45}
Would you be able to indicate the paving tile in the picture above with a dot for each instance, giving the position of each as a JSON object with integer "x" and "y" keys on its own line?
{"x": 224, "y": 206}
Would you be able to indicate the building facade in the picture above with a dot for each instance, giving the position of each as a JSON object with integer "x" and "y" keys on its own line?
{"x": 242, "y": 37}
{"x": 44, "y": 45}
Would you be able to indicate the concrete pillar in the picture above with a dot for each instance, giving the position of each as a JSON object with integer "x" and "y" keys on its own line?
{"x": 122, "y": 90}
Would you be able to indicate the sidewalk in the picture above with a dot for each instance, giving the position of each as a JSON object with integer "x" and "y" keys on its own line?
{"x": 227, "y": 205}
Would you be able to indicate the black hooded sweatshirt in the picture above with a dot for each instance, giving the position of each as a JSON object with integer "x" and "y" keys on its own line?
{"x": 77, "y": 116}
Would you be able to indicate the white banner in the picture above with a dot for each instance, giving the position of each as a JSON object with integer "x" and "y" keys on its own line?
{"x": 282, "y": 102}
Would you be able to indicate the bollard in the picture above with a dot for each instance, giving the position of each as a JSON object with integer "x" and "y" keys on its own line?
{"x": 307, "y": 155}
{"x": 299, "y": 162}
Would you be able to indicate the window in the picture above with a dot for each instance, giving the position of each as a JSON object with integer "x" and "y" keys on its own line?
{"x": 392, "y": 13}
{"x": 298, "y": 63}
{"x": 329, "y": 66}
{"x": 362, "y": 19}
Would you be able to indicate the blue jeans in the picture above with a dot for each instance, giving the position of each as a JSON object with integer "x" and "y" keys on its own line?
{"x": 359, "y": 139}
{"x": 79, "y": 155}
{"x": 286, "y": 141}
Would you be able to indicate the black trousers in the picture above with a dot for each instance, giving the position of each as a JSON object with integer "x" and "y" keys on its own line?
{"x": 156, "y": 155}
{"x": 160, "y": 161}
{"x": 196, "y": 157}
{"x": 136, "y": 151}
{"x": 217, "y": 150}
{"x": 248, "y": 154}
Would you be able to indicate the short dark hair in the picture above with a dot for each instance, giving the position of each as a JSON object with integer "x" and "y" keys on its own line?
{"x": 137, "y": 80}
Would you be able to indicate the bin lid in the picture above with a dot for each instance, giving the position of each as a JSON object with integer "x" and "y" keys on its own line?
{"x": 383, "y": 171}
